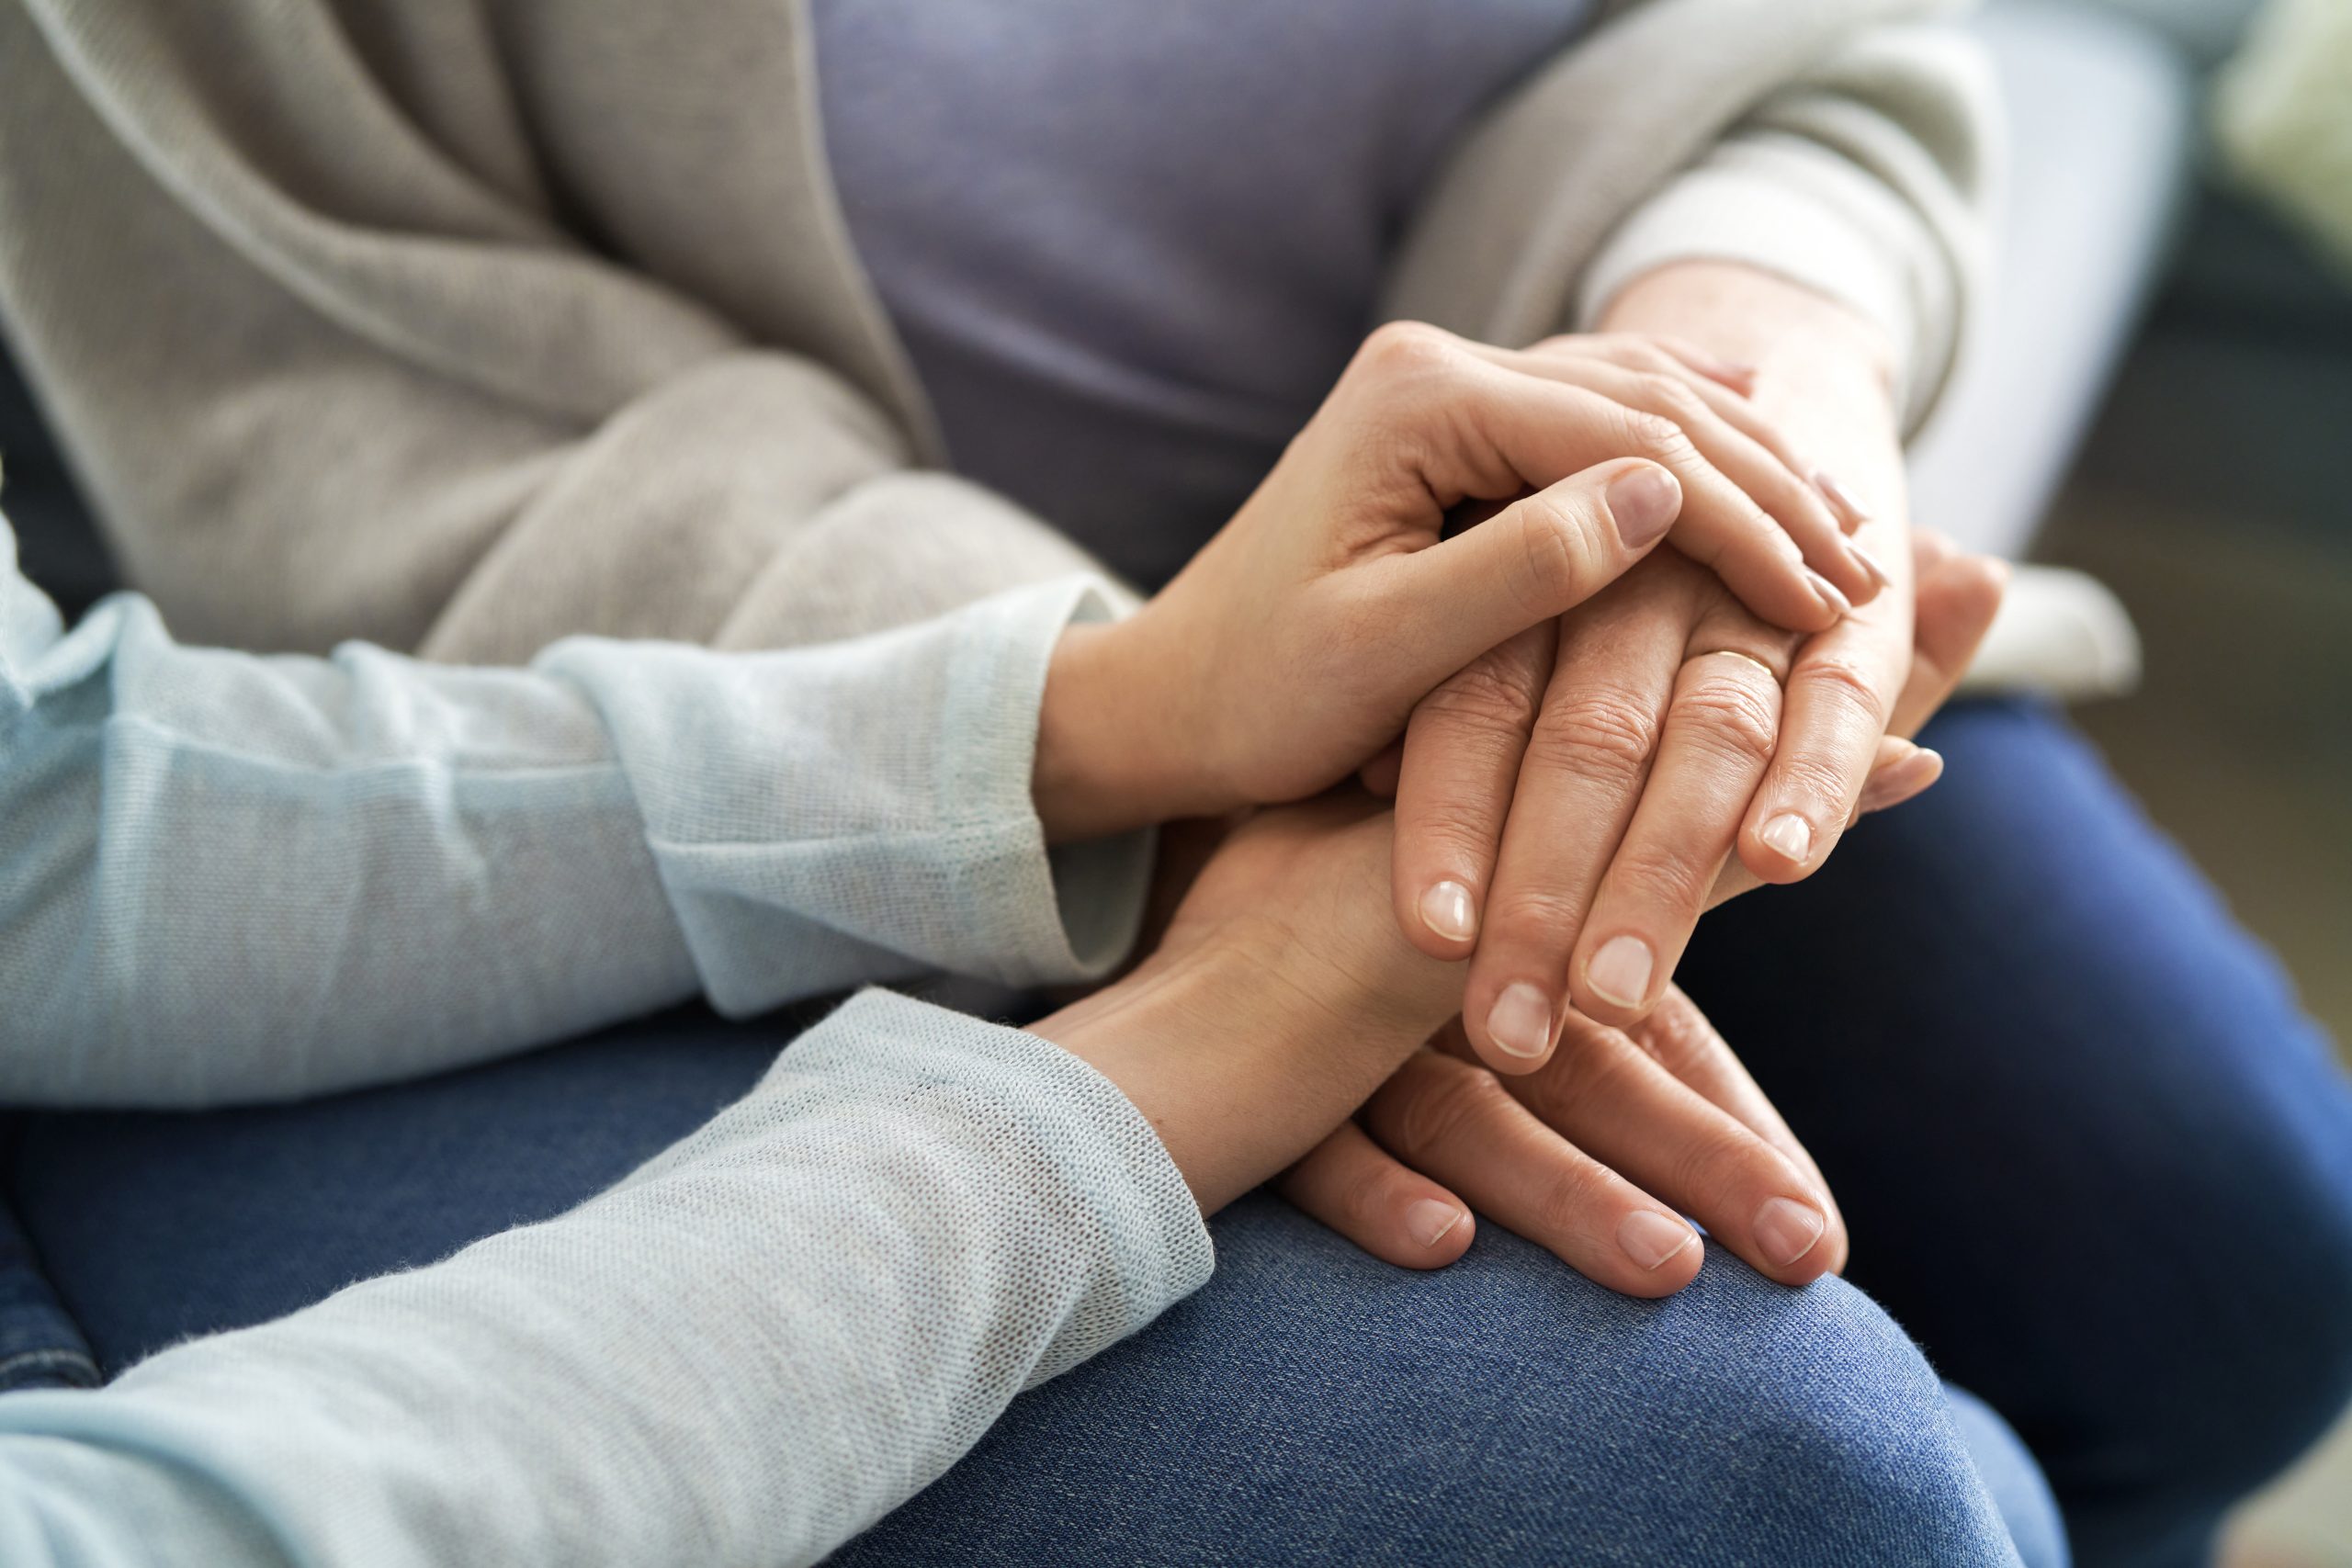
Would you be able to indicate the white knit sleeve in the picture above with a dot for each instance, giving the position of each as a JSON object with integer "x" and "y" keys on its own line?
{"x": 746, "y": 1352}
{"x": 235, "y": 877}
{"x": 1865, "y": 180}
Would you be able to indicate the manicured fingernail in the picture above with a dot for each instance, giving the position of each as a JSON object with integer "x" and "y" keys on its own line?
{"x": 1429, "y": 1222}
{"x": 1899, "y": 781}
{"x": 1790, "y": 835}
{"x": 1786, "y": 1230}
{"x": 1620, "y": 970}
{"x": 1826, "y": 591}
{"x": 1645, "y": 502}
{"x": 1521, "y": 1022}
{"x": 1847, "y": 500}
{"x": 1445, "y": 909}
{"x": 1870, "y": 564}
{"x": 1651, "y": 1239}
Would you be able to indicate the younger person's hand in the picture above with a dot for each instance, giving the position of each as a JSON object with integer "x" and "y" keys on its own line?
{"x": 1297, "y": 643}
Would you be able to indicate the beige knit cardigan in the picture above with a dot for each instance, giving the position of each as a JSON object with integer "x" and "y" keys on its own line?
{"x": 459, "y": 325}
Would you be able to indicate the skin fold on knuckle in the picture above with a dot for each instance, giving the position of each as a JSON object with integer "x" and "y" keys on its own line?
{"x": 1490, "y": 698}
{"x": 1664, "y": 880}
{"x": 1657, "y": 438}
{"x": 1556, "y": 563}
{"x": 1662, "y": 393}
{"x": 1814, "y": 785}
{"x": 1732, "y": 718}
{"x": 1594, "y": 1067}
{"x": 1457, "y": 845}
{"x": 1726, "y": 1172}
{"x": 1600, "y": 734}
{"x": 1529, "y": 930}
{"x": 1845, "y": 686}
{"x": 1678, "y": 1037}
{"x": 1434, "y": 1104}
{"x": 1578, "y": 1198}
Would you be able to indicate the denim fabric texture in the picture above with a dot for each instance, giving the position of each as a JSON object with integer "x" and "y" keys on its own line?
{"x": 2018, "y": 1031}
{"x": 40, "y": 1345}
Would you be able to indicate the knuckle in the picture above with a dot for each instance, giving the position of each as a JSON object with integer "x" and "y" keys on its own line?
{"x": 1635, "y": 352}
{"x": 1655, "y": 437}
{"x": 1602, "y": 734}
{"x": 1813, "y": 778}
{"x": 1730, "y": 717}
{"x": 1442, "y": 1103}
{"x": 1719, "y": 1162}
{"x": 1369, "y": 1196}
{"x": 1659, "y": 877}
{"x": 1405, "y": 350}
{"x": 1573, "y": 1199}
{"x": 1671, "y": 395}
{"x": 1848, "y": 684}
{"x": 1678, "y": 1036}
{"x": 1483, "y": 697}
{"x": 1536, "y": 918}
{"x": 1554, "y": 545}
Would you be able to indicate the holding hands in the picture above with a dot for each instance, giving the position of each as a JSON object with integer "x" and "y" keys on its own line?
{"x": 1590, "y": 741}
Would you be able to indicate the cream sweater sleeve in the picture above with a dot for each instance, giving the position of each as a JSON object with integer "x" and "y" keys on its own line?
{"x": 1847, "y": 144}
{"x": 1865, "y": 178}
{"x": 459, "y": 329}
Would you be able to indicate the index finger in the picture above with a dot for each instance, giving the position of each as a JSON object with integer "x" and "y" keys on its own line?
{"x": 1841, "y": 695}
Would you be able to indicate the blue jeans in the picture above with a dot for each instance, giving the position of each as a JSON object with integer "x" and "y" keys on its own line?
{"x": 2095, "y": 1163}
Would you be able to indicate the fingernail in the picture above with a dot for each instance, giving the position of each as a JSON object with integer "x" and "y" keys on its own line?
{"x": 1645, "y": 502}
{"x": 1826, "y": 591}
{"x": 1620, "y": 970}
{"x": 1847, "y": 500}
{"x": 1428, "y": 1222}
{"x": 1445, "y": 909}
{"x": 1899, "y": 781}
{"x": 1786, "y": 1230}
{"x": 1790, "y": 835}
{"x": 1870, "y": 564}
{"x": 1651, "y": 1239}
{"x": 1521, "y": 1022}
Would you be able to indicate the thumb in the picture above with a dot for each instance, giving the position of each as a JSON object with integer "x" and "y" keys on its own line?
{"x": 1540, "y": 557}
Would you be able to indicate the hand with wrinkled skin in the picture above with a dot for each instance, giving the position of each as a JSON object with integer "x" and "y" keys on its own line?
{"x": 1297, "y": 642}
{"x": 1595, "y": 1154}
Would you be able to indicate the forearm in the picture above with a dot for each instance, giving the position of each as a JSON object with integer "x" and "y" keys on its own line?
{"x": 244, "y": 878}
{"x": 777, "y": 1331}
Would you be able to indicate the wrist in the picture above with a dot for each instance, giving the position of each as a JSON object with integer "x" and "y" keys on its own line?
{"x": 1239, "y": 1063}
{"x": 1113, "y": 745}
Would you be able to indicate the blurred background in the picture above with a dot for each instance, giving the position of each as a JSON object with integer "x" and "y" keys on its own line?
{"x": 2161, "y": 398}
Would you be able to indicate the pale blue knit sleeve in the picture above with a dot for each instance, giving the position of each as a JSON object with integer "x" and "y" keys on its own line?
{"x": 225, "y": 877}
{"x": 744, "y": 1353}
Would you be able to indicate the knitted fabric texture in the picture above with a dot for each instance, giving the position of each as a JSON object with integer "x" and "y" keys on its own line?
{"x": 745, "y": 1352}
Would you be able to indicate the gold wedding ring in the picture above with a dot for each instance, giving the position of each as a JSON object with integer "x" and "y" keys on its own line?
{"x": 1734, "y": 653}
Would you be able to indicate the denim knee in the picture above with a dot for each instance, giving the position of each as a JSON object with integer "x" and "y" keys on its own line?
{"x": 1311, "y": 1405}
{"x": 1829, "y": 1439}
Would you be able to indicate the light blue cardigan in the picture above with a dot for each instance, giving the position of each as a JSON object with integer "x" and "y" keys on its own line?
{"x": 229, "y": 878}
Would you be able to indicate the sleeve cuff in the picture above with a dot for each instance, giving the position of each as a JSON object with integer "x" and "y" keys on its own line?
{"x": 1075, "y": 1143}
{"x": 1050, "y": 916}
{"x": 1802, "y": 212}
